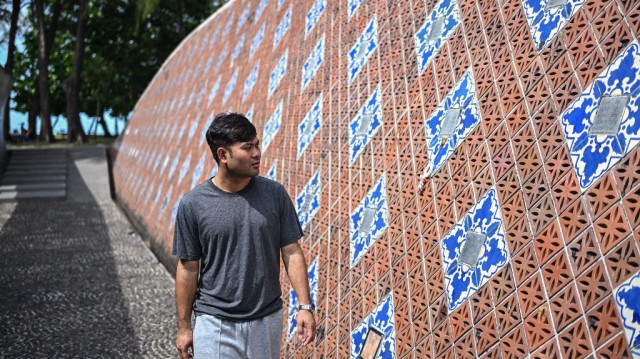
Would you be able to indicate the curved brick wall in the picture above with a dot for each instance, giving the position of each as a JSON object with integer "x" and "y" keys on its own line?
{"x": 522, "y": 117}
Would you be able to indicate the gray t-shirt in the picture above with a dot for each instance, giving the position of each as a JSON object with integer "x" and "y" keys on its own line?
{"x": 238, "y": 237}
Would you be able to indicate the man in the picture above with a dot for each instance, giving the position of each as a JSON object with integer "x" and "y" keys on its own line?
{"x": 229, "y": 234}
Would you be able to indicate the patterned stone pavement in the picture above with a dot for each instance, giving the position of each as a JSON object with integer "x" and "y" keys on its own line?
{"x": 76, "y": 281}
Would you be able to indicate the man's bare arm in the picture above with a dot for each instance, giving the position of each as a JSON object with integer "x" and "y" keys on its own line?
{"x": 296, "y": 267}
{"x": 186, "y": 284}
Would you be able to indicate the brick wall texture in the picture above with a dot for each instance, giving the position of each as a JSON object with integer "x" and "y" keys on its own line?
{"x": 467, "y": 172}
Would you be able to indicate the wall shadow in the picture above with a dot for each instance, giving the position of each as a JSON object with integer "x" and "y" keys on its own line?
{"x": 59, "y": 290}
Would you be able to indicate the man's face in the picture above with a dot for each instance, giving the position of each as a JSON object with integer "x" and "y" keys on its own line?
{"x": 243, "y": 158}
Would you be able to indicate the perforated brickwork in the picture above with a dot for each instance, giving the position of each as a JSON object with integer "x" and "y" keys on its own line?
{"x": 398, "y": 128}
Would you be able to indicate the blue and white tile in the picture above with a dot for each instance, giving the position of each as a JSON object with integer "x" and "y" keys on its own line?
{"x": 174, "y": 211}
{"x": 314, "y": 15}
{"x": 293, "y": 298}
{"x": 271, "y": 127}
{"x": 546, "y": 22}
{"x": 594, "y": 155}
{"x": 221, "y": 57}
{"x": 627, "y": 297}
{"x": 311, "y": 66}
{"x": 201, "y": 93}
{"x": 227, "y": 27}
{"x": 257, "y": 40}
{"x": 363, "y": 48}
{"x": 310, "y": 126}
{"x": 272, "y": 171}
{"x": 278, "y": 73}
{"x": 362, "y": 240}
{"x": 372, "y": 107}
{"x": 249, "y": 114}
{"x": 461, "y": 281}
{"x": 243, "y": 17}
{"x": 383, "y": 319}
{"x": 462, "y": 96}
{"x": 282, "y": 28}
{"x": 426, "y": 49}
{"x": 260, "y": 9}
{"x": 352, "y": 7}
{"x": 197, "y": 172}
{"x": 236, "y": 50}
{"x": 280, "y": 2}
{"x": 185, "y": 167}
{"x": 251, "y": 80}
{"x": 165, "y": 201}
{"x": 231, "y": 85}
{"x": 308, "y": 201}
{"x": 214, "y": 89}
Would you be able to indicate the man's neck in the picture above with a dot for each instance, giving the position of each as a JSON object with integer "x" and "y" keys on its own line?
{"x": 230, "y": 183}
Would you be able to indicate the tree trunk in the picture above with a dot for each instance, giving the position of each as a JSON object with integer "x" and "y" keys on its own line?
{"x": 34, "y": 110}
{"x": 76, "y": 133}
{"x": 15, "y": 13}
{"x": 46, "y": 132}
{"x": 180, "y": 20}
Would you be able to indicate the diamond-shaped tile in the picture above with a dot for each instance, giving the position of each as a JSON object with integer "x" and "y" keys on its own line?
{"x": 627, "y": 298}
{"x": 462, "y": 280}
{"x": 362, "y": 49}
{"x": 547, "y": 17}
{"x": 271, "y": 127}
{"x": 310, "y": 126}
{"x": 272, "y": 171}
{"x": 308, "y": 201}
{"x": 251, "y": 80}
{"x": 314, "y": 15}
{"x": 382, "y": 318}
{"x": 362, "y": 236}
{"x": 352, "y": 6}
{"x": 439, "y": 25}
{"x": 312, "y": 64}
{"x": 257, "y": 40}
{"x": 282, "y": 28}
{"x": 231, "y": 84}
{"x": 365, "y": 125}
{"x": 461, "y": 107}
{"x": 278, "y": 73}
{"x": 594, "y": 154}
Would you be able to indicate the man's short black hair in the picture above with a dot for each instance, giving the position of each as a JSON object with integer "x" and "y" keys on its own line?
{"x": 228, "y": 128}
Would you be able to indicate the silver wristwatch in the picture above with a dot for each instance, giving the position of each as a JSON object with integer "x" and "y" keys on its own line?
{"x": 309, "y": 307}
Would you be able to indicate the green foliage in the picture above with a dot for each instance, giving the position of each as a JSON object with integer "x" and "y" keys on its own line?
{"x": 119, "y": 60}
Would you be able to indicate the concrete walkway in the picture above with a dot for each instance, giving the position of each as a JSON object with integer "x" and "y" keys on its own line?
{"x": 75, "y": 280}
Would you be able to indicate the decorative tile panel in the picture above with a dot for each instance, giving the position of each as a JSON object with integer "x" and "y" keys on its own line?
{"x": 272, "y": 171}
{"x": 271, "y": 127}
{"x": 280, "y": 2}
{"x": 214, "y": 89}
{"x": 440, "y": 24}
{"x": 365, "y": 125}
{"x": 368, "y": 221}
{"x": 257, "y": 40}
{"x": 352, "y": 7}
{"x": 310, "y": 126}
{"x": 243, "y": 17}
{"x": 282, "y": 28}
{"x": 362, "y": 49}
{"x": 314, "y": 15}
{"x": 260, "y": 9}
{"x": 221, "y": 57}
{"x": 627, "y": 298}
{"x": 462, "y": 280}
{"x": 174, "y": 164}
{"x": 185, "y": 167}
{"x": 197, "y": 172}
{"x": 382, "y": 318}
{"x": 460, "y": 113}
{"x": 249, "y": 114}
{"x": 547, "y": 17}
{"x": 174, "y": 211}
{"x": 312, "y": 64}
{"x": 251, "y": 80}
{"x": 593, "y": 154}
{"x": 293, "y": 298}
{"x": 278, "y": 73}
{"x": 308, "y": 201}
{"x": 227, "y": 27}
{"x": 236, "y": 50}
{"x": 231, "y": 85}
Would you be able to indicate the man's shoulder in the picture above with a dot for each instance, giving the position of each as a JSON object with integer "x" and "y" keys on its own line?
{"x": 267, "y": 184}
{"x": 196, "y": 193}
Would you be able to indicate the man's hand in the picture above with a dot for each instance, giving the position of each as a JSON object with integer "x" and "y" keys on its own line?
{"x": 184, "y": 341}
{"x": 306, "y": 327}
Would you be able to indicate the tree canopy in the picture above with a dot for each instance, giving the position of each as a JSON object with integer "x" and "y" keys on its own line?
{"x": 126, "y": 42}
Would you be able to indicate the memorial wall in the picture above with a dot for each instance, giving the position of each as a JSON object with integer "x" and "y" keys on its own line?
{"x": 467, "y": 173}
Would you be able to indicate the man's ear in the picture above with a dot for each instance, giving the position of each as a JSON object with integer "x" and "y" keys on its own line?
{"x": 222, "y": 154}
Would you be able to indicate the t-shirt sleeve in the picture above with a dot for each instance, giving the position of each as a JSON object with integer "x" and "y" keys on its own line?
{"x": 186, "y": 242}
{"x": 290, "y": 230}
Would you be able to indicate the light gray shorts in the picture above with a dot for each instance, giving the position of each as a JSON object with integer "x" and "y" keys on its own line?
{"x": 218, "y": 338}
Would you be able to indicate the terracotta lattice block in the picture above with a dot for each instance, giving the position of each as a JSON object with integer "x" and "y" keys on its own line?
{"x": 590, "y": 68}
{"x": 514, "y": 345}
{"x": 548, "y": 242}
{"x": 464, "y": 347}
{"x": 517, "y": 118}
{"x": 404, "y": 342}
{"x": 557, "y": 273}
{"x": 567, "y": 92}
{"x": 549, "y": 350}
{"x": 541, "y": 214}
{"x": 574, "y": 341}
{"x": 438, "y": 311}
{"x": 617, "y": 40}
{"x": 485, "y": 333}
{"x": 502, "y": 162}
{"x": 573, "y": 220}
{"x": 604, "y": 322}
{"x": 623, "y": 261}
{"x": 424, "y": 349}
{"x": 441, "y": 338}
{"x": 566, "y": 191}
{"x": 502, "y": 284}
{"x": 631, "y": 204}
{"x": 565, "y": 307}
{"x": 634, "y": 20}
{"x": 513, "y": 210}
{"x": 558, "y": 165}
{"x": 627, "y": 172}
{"x": 421, "y": 326}
{"x": 593, "y": 286}
{"x": 611, "y": 228}
{"x": 519, "y": 235}
{"x": 508, "y": 186}
{"x": 602, "y": 195}
{"x": 544, "y": 117}
{"x": 524, "y": 264}
{"x": 508, "y": 315}
{"x": 583, "y": 251}
{"x": 461, "y": 320}
{"x": 615, "y": 349}
{"x": 538, "y": 327}
{"x": 531, "y": 75}
{"x": 531, "y": 295}
{"x": 481, "y": 303}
